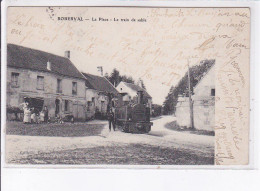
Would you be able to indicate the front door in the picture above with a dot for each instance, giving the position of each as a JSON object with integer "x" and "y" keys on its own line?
{"x": 57, "y": 107}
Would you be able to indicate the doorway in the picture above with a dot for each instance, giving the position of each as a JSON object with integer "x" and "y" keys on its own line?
{"x": 57, "y": 107}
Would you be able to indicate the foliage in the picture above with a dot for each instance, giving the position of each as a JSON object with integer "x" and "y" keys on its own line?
{"x": 115, "y": 78}
{"x": 14, "y": 110}
{"x": 156, "y": 110}
{"x": 196, "y": 73}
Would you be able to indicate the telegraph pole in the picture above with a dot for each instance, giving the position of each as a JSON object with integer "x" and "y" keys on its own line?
{"x": 190, "y": 100}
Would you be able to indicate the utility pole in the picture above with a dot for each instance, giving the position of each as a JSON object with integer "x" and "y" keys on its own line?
{"x": 190, "y": 100}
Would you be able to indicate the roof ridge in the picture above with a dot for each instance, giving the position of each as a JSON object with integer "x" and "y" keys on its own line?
{"x": 138, "y": 87}
{"x": 203, "y": 75}
{"x": 103, "y": 85}
{"x": 39, "y": 50}
{"x": 35, "y": 59}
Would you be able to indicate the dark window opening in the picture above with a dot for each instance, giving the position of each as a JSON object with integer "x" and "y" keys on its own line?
{"x": 40, "y": 82}
{"x": 93, "y": 101}
{"x": 36, "y": 103}
{"x": 59, "y": 86}
{"x": 14, "y": 79}
{"x": 212, "y": 92}
{"x": 57, "y": 107}
{"x": 66, "y": 105}
{"x": 74, "y": 88}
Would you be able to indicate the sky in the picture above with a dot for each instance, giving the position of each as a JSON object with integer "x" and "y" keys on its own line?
{"x": 154, "y": 44}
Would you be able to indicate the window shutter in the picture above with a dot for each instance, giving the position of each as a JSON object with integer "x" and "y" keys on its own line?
{"x": 63, "y": 105}
{"x": 70, "y": 106}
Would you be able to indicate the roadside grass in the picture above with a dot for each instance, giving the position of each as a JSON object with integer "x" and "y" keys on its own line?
{"x": 130, "y": 154}
{"x": 54, "y": 129}
{"x": 173, "y": 126}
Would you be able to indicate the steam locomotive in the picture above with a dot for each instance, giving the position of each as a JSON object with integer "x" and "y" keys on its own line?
{"x": 133, "y": 117}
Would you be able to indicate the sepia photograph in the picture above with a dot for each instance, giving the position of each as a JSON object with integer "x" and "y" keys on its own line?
{"x": 127, "y": 86}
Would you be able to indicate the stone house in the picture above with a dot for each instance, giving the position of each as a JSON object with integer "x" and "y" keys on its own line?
{"x": 45, "y": 79}
{"x": 129, "y": 92}
{"x": 99, "y": 93}
{"x": 203, "y": 99}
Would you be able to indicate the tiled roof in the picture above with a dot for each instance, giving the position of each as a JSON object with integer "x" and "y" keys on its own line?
{"x": 200, "y": 71}
{"x": 99, "y": 83}
{"x": 137, "y": 88}
{"x": 27, "y": 58}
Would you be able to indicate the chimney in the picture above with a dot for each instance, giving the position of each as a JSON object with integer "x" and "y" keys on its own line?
{"x": 140, "y": 97}
{"x": 67, "y": 54}
{"x": 100, "y": 69}
{"x": 48, "y": 65}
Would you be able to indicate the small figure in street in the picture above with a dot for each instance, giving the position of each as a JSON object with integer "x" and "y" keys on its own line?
{"x": 111, "y": 119}
{"x": 33, "y": 115}
{"x": 41, "y": 117}
{"x": 46, "y": 114}
{"x": 27, "y": 113}
{"x": 59, "y": 119}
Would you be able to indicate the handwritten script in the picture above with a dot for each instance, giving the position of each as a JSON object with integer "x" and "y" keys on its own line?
{"x": 154, "y": 44}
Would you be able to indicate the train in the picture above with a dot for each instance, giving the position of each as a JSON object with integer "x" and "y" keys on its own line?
{"x": 132, "y": 117}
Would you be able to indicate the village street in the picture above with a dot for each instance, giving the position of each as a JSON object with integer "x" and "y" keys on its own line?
{"x": 159, "y": 146}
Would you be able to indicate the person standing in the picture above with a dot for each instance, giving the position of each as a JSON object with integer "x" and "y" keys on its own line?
{"x": 33, "y": 115}
{"x": 27, "y": 113}
{"x": 46, "y": 114}
{"x": 41, "y": 116}
{"x": 111, "y": 119}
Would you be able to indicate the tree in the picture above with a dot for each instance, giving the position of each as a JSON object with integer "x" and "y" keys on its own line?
{"x": 196, "y": 73}
{"x": 115, "y": 78}
{"x": 127, "y": 79}
{"x": 156, "y": 110}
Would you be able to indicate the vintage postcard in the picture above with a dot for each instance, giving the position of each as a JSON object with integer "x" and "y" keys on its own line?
{"x": 127, "y": 86}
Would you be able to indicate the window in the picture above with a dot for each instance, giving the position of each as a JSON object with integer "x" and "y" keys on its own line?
{"x": 212, "y": 92}
{"x": 59, "y": 86}
{"x": 66, "y": 105}
{"x": 93, "y": 101}
{"x": 103, "y": 106}
{"x": 14, "y": 79}
{"x": 89, "y": 104}
{"x": 40, "y": 82}
{"x": 74, "y": 88}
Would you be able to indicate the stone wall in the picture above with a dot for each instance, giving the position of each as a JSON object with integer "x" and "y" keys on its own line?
{"x": 203, "y": 113}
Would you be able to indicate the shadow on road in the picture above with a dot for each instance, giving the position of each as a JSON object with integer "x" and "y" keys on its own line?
{"x": 157, "y": 133}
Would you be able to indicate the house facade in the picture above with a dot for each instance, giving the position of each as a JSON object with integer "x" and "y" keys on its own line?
{"x": 203, "y": 104}
{"x": 129, "y": 92}
{"x": 99, "y": 93}
{"x": 44, "y": 79}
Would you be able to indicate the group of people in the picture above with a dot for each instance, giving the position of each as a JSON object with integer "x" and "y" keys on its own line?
{"x": 32, "y": 115}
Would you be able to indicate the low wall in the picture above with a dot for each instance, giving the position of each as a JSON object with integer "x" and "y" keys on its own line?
{"x": 203, "y": 112}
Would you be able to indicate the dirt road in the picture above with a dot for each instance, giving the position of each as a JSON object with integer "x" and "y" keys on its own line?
{"x": 156, "y": 147}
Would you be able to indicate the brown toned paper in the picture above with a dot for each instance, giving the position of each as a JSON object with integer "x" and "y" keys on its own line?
{"x": 173, "y": 82}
